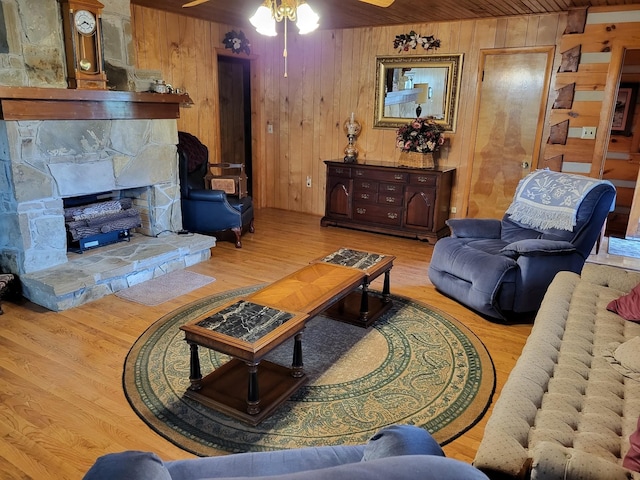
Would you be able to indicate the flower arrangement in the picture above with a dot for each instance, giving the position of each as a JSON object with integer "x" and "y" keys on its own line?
{"x": 412, "y": 39}
{"x": 422, "y": 135}
{"x": 237, "y": 42}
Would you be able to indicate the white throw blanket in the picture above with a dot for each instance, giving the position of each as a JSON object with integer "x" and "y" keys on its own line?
{"x": 546, "y": 199}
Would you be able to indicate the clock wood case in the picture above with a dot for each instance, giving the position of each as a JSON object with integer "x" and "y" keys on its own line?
{"x": 82, "y": 24}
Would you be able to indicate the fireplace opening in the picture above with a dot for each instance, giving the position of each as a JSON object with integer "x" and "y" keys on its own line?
{"x": 99, "y": 219}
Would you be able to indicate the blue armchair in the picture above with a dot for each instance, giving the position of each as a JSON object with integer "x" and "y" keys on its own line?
{"x": 208, "y": 211}
{"x": 502, "y": 268}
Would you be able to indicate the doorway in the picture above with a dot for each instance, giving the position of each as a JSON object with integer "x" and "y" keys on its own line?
{"x": 510, "y": 111}
{"x": 234, "y": 95}
{"x": 623, "y": 152}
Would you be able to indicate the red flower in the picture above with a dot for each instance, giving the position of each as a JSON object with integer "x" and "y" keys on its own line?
{"x": 421, "y": 135}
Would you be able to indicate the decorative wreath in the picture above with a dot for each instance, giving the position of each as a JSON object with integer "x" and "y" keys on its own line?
{"x": 237, "y": 42}
{"x": 412, "y": 39}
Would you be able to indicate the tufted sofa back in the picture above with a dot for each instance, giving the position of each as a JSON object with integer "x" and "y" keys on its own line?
{"x": 565, "y": 412}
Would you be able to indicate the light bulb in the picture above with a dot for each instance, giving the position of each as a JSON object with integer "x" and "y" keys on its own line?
{"x": 264, "y": 22}
{"x": 307, "y": 19}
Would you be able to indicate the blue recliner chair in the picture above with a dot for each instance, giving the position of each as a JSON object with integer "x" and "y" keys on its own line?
{"x": 502, "y": 268}
{"x": 205, "y": 211}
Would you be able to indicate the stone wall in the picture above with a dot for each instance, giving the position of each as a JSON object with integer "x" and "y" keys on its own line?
{"x": 33, "y": 53}
{"x": 53, "y": 160}
{"x": 42, "y": 162}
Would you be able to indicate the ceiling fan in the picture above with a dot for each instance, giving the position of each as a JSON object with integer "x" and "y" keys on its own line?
{"x": 377, "y": 3}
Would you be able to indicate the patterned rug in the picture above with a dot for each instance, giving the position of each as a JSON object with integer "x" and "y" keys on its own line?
{"x": 414, "y": 365}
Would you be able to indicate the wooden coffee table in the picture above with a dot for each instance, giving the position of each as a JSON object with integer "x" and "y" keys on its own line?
{"x": 250, "y": 327}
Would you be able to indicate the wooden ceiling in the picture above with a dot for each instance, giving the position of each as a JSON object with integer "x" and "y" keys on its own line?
{"x": 336, "y": 14}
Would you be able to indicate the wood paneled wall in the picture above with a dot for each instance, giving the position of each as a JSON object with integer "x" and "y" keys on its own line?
{"x": 608, "y": 33}
{"x": 331, "y": 73}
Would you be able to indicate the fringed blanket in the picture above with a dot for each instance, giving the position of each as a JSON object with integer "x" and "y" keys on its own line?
{"x": 545, "y": 199}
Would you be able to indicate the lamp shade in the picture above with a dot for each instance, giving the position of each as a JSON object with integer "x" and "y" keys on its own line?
{"x": 423, "y": 88}
{"x": 264, "y": 22}
{"x": 307, "y": 18}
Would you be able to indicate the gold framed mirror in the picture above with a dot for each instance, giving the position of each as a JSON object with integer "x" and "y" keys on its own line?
{"x": 417, "y": 86}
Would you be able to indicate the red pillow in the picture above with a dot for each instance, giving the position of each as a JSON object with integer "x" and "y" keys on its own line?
{"x": 627, "y": 306}
{"x": 632, "y": 458}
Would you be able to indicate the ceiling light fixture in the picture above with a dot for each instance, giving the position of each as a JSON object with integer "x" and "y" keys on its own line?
{"x": 272, "y": 11}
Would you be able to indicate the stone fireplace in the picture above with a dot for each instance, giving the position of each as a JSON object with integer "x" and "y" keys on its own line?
{"x": 96, "y": 145}
{"x": 53, "y": 160}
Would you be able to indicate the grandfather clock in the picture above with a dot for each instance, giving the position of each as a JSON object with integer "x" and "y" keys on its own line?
{"x": 82, "y": 24}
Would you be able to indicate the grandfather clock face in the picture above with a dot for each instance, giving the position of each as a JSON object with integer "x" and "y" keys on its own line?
{"x": 83, "y": 44}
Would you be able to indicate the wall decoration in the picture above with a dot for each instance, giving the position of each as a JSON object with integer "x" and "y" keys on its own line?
{"x": 558, "y": 133}
{"x": 622, "y": 123}
{"x": 570, "y": 60}
{"x": 412, "y": 39}
{"x": 564, "y": 98}
{"x": 237, "y": 42}
{"x": 401, "y": 83}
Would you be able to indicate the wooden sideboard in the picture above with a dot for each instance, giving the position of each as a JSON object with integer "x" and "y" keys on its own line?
{"x": 404, "y": 201}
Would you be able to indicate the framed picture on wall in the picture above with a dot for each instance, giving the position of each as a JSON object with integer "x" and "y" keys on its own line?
{"x": 622, "y": 123}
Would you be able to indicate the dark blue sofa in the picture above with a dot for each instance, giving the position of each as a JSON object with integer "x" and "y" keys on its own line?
{"x": 397, "y": 452}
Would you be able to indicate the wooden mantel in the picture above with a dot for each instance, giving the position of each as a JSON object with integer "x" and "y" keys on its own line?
{"x": 33, "y": 103}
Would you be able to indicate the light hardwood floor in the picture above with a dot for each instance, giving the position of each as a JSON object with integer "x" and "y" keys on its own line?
{"x": 62, "y": 400}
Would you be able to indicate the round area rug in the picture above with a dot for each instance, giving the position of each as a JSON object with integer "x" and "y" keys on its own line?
{"x": 414, "y": 365}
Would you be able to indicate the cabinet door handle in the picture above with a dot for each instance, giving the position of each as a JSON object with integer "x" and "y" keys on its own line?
{"x": 366, "y": 185}
{"x": 361, "y": 211}
{"x": 398, "y": 176}
{"x": 339, "y": 171}
{"x": 364, "y": 196}
{"x": 359, "y": 173}
{"x": 392, "y": 216}
{"x": 423, "y": 179}
{"x": 390, "y": 199}
{"x": 391, "y": 188}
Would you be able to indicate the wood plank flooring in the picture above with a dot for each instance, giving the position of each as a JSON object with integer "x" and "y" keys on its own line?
{"x": 62, "y": 403}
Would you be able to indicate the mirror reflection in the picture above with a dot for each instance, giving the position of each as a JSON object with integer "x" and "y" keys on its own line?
{"x": 411, "y": 87}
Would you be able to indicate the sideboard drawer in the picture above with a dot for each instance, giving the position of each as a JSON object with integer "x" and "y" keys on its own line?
{"x": 382, "y": 176}
{"x": 366, "y": 185}
{"x": 365, "y": 196}
{"x": 339, "y": 172}
{"x": 390, "y": 188}
{"x": 389, "y": 199}
{"x": 422, "y": 179}
{"x": 377, "y": 213}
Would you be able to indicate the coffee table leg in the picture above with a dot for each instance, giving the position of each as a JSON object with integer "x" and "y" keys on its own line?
{"x": 195, "y": 375}
{"x": 386, "y": 289}
{"x": 364, "y": 302}
{"x": 296, "y": 365}
{"x": 253, "y": 393}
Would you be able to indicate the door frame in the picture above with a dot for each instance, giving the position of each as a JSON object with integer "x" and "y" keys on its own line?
{"x": 542, "y": 113}
{"x": 257, "y": 182}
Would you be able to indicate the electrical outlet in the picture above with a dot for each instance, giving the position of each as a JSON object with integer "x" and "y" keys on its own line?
{"x": 588, "y": 133}
{"x": 454, "y": 210}
{"x": 269, "y": 127}
{"x": 308, "y": 181}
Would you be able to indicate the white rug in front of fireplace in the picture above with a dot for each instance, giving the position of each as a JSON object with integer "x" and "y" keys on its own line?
{"x": 167, "y": 287}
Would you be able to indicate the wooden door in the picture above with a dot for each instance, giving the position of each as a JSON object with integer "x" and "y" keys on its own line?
{"x": 511, "y": 105}
{"x": 234, "y": 93}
